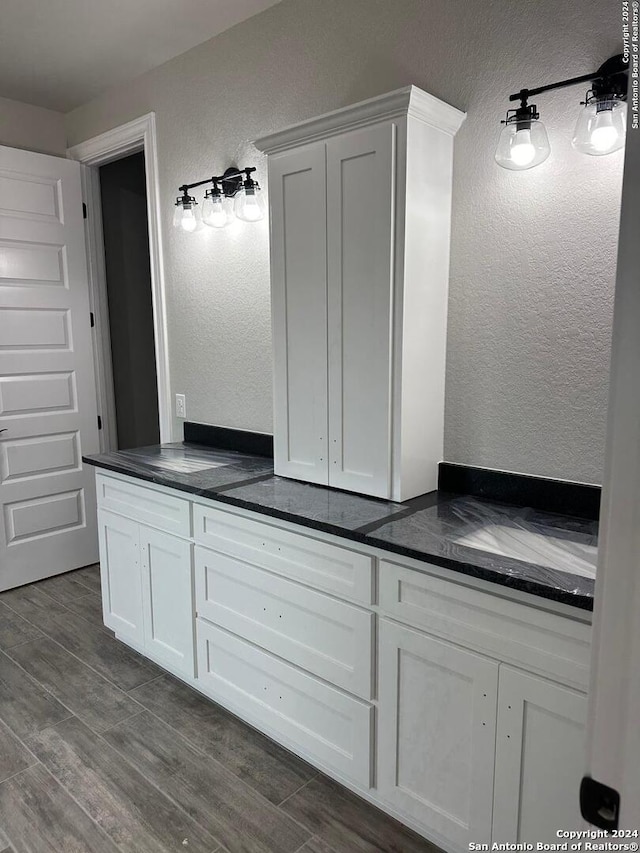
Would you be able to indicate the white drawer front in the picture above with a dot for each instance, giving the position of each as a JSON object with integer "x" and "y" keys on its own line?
{"x": 152, "y": 507}
{"x": 311, "y": 561}
{"x": 328, "y": 637}
{"x": 516, "y": 633}
{"x": 322, "y": 720}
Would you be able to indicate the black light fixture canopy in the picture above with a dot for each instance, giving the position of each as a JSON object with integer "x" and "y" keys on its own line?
{"x": 600, "y": 129}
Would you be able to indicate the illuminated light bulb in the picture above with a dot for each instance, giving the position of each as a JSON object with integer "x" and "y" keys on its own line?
{"x": 251, "y": 210}
{"x": 214, "y": 211}
{"x": 249, "y": 202}
{"x": 189, "y": 221}
{"x": 604, "y": 135}
{"x": 523, "y": 151}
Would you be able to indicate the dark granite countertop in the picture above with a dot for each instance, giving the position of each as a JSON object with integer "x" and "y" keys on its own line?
{"x": 545, "y": 554}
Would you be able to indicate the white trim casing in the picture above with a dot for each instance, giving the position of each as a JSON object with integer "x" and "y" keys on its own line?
{"x": 136, "y": 135}
{"x": 613, "y": 741}
{"x": 98, "y": 302}
{"x": 410, "y": 101}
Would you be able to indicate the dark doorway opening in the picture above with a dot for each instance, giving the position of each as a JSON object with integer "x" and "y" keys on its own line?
{"x": 128, "y": 273}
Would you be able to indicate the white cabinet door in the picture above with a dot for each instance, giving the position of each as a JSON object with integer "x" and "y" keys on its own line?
{"x": 121, "y": 576}
{"x": 297, "y": 192}
{"x": 436, "y": 733}
{"x": 168, "y": 599}
{"x": 360, "y": 222}
{"x": 540, "y": 753}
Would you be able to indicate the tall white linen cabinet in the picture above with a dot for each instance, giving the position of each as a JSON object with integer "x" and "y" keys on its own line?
{"x": 360, "y": 207}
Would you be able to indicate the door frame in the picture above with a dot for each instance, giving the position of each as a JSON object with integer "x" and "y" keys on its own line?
{"x": 613, "y": 735}
{"x": 129, "y": 138}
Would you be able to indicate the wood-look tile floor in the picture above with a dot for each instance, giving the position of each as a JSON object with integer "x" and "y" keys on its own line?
{"x": 100, "y": 750}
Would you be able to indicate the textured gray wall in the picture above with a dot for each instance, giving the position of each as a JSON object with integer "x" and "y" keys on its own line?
{"x": 34, "y": 128}
{"x": 532, "y": 267}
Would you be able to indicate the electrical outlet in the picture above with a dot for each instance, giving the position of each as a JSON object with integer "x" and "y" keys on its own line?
{"x": 181, "y": 406}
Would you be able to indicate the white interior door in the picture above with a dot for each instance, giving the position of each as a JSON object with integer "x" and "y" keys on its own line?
{"x": 48, "y": 412}
{"x": 360, "y": 221}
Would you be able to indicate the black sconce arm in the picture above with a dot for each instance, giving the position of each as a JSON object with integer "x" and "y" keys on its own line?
{"x": 610, "y": 78}
{"x": 232, "y": 178}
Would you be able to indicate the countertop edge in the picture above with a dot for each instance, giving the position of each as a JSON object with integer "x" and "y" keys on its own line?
{"x": 580, "y": 602}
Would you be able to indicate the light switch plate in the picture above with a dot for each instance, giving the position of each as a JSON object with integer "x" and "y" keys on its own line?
{"x": 181, "y": 406}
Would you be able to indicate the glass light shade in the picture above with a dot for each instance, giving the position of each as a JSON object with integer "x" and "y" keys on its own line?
{"x": 216, "y": 211}
{"x": 249, "y": 204}
{"x": 522, "y": 147}
{"x": 601, "y": 129}
{"x": 187, "y": 217}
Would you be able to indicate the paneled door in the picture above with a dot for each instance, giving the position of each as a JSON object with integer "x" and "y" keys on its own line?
{"x": 297, "y": 192}
{"x": 360, "y": 240}
{"x": 48, "y": 415}
{"x": 540, "y": 751}
{"x": 167, "y": 599}
{"x": 436, "y": 733}
{"x": 121, "y": 576}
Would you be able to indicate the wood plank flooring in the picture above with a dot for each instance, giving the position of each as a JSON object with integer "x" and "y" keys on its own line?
{"x": 102, "y": 751}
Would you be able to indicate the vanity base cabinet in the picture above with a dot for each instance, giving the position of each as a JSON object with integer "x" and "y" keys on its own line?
{"x": 147, "y": 590}
{"x": 449, "y": 707}
{"x": 540, "y": 758}
{"x": 436, "y": 733}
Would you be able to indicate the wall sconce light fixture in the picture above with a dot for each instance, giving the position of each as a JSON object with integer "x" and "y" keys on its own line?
{"x": 600, "y": 129}
{"x": 234, "y": 194}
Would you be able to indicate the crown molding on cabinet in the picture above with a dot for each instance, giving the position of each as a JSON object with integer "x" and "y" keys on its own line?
{"x": 408, "y": 101}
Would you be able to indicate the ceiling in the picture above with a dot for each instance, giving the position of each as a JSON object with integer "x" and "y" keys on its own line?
{"x": 61, "y": 53}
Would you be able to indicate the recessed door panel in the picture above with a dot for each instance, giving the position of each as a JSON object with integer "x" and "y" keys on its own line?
{"x": 37, "y": 393}
{"x": 34, "y": 329}
{"x": 39, "y": 456}
{"x": 31, "y": 264}
{"x": 44, "y": 515}
{"x": 29, "y": 196}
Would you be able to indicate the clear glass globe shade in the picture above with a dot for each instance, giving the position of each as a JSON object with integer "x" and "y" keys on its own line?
{"x": 522, "y": 147}
{"x": 214, "y": 212}
{"x": 249, "y": 205}
{"x": 601, "y": 131}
